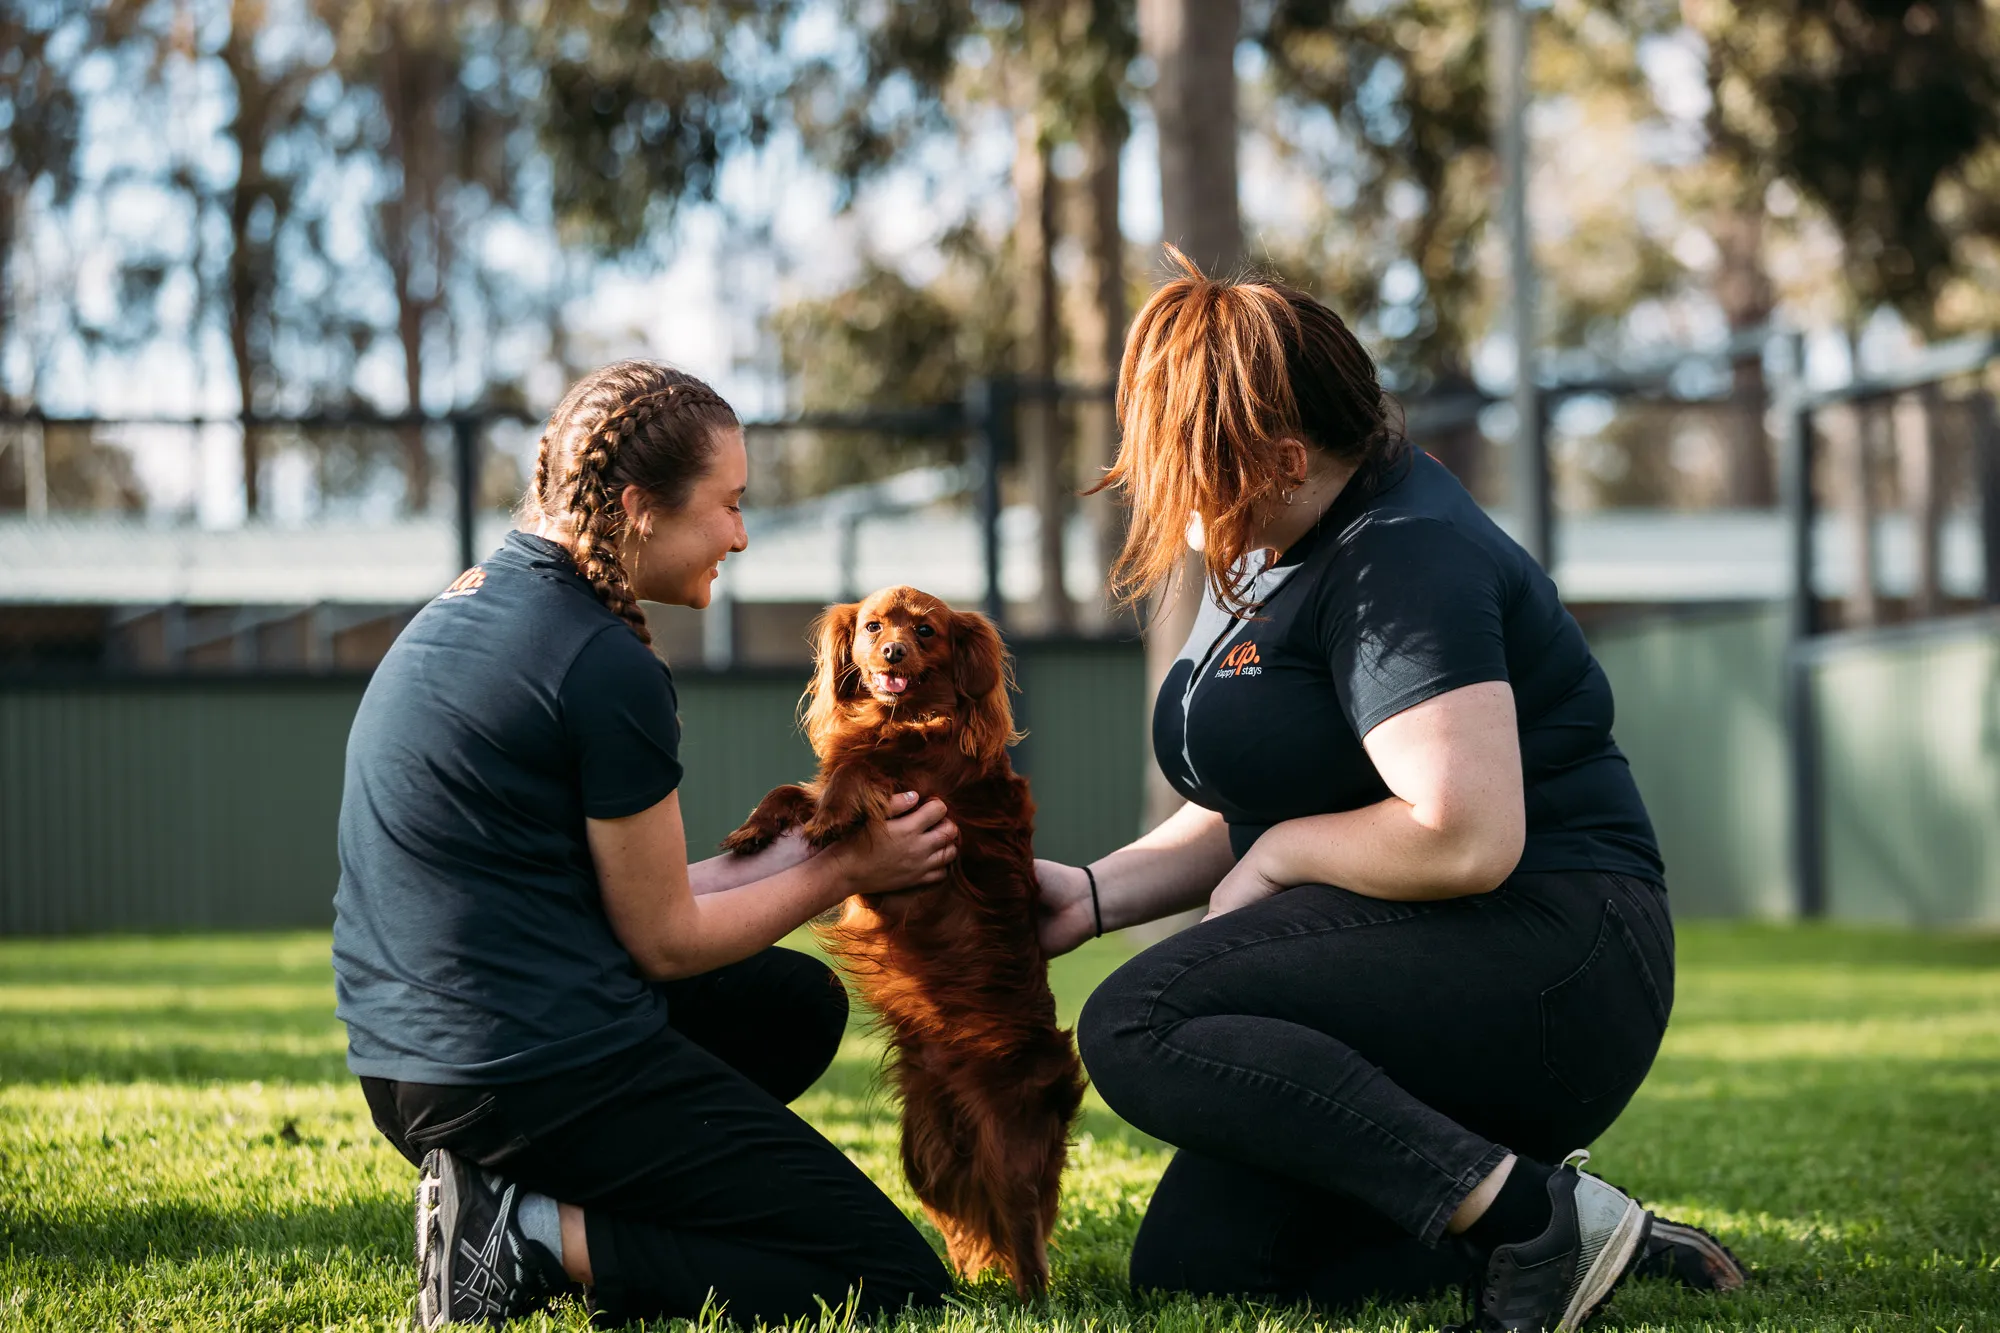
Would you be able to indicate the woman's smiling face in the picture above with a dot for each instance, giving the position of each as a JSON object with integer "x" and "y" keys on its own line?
{"x": 674, "y": 555}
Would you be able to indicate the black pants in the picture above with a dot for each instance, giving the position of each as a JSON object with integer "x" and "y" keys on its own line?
{"x": 1339, "y": 1072}
{"x": 692, "y": 1175}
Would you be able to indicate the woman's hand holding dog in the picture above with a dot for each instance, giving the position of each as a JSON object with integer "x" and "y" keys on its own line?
{"x": 1066, "y": 919}
{"x": 913, "y": 847}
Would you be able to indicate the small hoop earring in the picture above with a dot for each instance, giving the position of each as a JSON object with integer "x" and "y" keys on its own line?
{"x": 1286, "y": 496}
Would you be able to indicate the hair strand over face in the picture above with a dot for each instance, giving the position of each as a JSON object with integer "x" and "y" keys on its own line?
{"x": 1218, "y": 380}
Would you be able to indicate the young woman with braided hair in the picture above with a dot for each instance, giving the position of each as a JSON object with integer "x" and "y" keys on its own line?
{"x": 583, "y": 1041}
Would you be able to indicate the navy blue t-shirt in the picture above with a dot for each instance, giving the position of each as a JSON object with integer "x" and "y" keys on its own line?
{"x": 470, "y": 944}
{"x": 1404, "y": 591}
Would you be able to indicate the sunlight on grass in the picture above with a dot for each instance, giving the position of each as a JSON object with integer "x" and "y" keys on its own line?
{"x": 181, "y": 1147}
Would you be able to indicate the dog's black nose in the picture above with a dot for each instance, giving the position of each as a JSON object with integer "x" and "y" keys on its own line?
{"x": 894, "y": 652}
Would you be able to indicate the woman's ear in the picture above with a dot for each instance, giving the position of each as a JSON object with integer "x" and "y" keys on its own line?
{"x": 982, "y": 675}
{"x": 835, "y": 680}
{"x": 638, "y": 507}
{"x": 1294, "y": 463}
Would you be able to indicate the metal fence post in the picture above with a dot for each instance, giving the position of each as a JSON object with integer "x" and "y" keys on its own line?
{"x": 989, "y": 408}
{"x": 1802, "y": 749}
{"x": 1537, "y": 511}
{"x": 1986, "y": 461}
{"x": 465, "y": 488}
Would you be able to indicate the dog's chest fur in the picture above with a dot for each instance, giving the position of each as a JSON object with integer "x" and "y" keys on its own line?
{"x": 920, "y": 755}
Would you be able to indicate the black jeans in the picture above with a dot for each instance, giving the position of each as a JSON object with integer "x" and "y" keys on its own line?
{"x": 1339, "y": 1072}
{"x": 692, "y": 1175}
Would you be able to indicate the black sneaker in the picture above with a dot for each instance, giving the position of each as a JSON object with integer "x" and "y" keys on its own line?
{"x": 1690, "y": 1256}
{"x": 1557, "y": 1281}
{"x": 473, "y": 1264}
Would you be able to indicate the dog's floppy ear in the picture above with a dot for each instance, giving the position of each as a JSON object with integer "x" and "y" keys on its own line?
{"x": 836, "y": 680}
{"x": 982, "y": 674}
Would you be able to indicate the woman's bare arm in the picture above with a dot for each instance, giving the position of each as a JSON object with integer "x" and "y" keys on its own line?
{"x": 1172, "y": 868}
{"x": 671, "y": 932}
{"x": 1453, "y": 826}
{"x": 733, "y": 870}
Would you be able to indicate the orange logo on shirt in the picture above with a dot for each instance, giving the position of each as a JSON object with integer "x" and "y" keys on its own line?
{"x": 1242, "y": 660}
{"x": 465, "y": 584}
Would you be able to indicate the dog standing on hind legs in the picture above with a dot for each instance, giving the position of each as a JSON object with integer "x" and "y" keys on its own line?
{"x": 909, "y": 695}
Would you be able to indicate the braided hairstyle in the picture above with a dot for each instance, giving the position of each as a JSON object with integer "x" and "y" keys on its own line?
{"x": 633, "y": 423}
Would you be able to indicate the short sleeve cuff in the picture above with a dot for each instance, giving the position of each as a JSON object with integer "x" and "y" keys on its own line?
{"x": 625, "y": 802}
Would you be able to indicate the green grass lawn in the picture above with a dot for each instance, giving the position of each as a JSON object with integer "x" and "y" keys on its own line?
{"x": 181, "y": 1146}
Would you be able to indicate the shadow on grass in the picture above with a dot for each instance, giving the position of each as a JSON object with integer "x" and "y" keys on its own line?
{"x": 115, "y": 1237}
{"x": 192, "y": 1046}
{"x": 1800, "y": 1282}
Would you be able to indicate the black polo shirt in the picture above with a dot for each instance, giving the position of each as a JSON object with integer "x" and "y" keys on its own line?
{"x": 470, "y": 944}
{"x": 1404, "y": 591}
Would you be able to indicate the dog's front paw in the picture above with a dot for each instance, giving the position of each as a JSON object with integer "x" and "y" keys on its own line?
{"x": 782, "y": 809}
{"x": 821, "y": 832}
{"x": 749, "y": 840}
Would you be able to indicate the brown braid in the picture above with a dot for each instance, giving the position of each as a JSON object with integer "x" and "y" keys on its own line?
{"x": 538, "y": 497}
{"x": 635, "y": 423}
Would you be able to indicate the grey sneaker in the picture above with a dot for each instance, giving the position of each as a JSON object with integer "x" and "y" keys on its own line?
{"x": 473, "y": 1264}
{"x": 1557, "y": 1281}
{"x": 1686, "y": 1254}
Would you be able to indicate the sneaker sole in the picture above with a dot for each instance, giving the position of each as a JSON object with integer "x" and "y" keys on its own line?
{"x": 1613, "y": 1262}
{"x": 437, "y": 1225}
{"x": 1725, "y": 1272}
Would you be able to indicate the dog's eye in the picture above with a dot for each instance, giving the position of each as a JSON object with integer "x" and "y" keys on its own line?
{"x": 925, "y": 631}
{"x": 873, "y": 627}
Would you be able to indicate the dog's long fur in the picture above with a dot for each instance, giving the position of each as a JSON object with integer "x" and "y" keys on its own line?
{"x": 990, "y": 1085}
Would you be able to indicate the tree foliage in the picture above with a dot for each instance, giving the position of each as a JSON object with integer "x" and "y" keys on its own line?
{"x": 1870, "y": 107}
{"x": 39, "y": 119}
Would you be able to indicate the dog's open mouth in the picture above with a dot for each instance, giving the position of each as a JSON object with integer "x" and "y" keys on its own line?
{"x": 892, "y": 683}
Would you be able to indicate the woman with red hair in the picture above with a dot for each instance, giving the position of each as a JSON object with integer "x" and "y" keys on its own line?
{"x": 1438, "y": 954}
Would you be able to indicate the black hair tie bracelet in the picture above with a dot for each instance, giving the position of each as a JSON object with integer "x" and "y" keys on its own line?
{"x": 1096, "y": 911}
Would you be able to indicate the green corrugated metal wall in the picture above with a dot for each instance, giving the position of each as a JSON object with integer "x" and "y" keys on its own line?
{"x": 1910, "y": 744}
{"x": 210, "y": 804}
{"x": 1084, "y": 708}
{"x": 169, "y": 806}
{"x": 739, "y": 739}
{"x": 1700, "y": 715}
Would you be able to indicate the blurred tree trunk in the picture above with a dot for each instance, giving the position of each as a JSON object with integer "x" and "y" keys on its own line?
{"x": 1038, "y": 329}
{"x": 1193, "y": 48}
{"x": 39, "y": 130}
{"x": 1097, "y": 322}
{"x": 8, "y": 198}
{"x": 414, "y": 237}
{"x": 452, "y": 149}
{"x": 1099, "y": 325}
{"x": 1743, "y": 290}
{"x": 255, "y": 207}
{"x": 1913, "y": 428}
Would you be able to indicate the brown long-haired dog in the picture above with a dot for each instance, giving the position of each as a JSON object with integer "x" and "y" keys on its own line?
{"x": 909, "y": 695}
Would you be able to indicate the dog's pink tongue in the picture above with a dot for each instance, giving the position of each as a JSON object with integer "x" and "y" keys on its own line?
{"x": 893, "y": 683}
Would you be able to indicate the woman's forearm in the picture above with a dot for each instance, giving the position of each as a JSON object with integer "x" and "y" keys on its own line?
{"x": 1387, "y": 850}
{"x": 733, "y": 870}
{"x": 1168, "y": 870}
{"x": 726, "y": 925}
